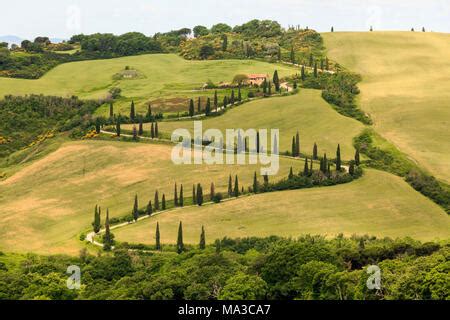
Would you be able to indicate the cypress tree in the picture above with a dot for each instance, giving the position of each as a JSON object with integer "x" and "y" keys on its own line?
{"x": 156, "y": 200}
{"x": 97, "y": 220}
{"x": 156, "y": 130}
{"x": 264, "y": 86}
{"x": 338, "y": 158}
{"x": 293, "y": 147}
{"x": 180, "y": 244}
{"x": 269, "y": 89}
{"x": 311, "y": 59}
{"x": 315, "y": 152}
{"x": 181, "y": 201}
{"x": 255, "y": 184}
{"x": 191, "y": 108}
{"x": 163, "y": 207}
{"x": 303, "y": 74}
{"x": 306, "y": 169}
{"x": 325, "y": 163}
{"x": 118, "y": 126}
{"x": 239, "y": 94}
{"x": 311, "y": 167}
{"x": 199, "y": 105}
{"x": 295, "y": 85}
{"x": 266, "y": 180}
{"x": 213, "y": 191}
{"x": 152, "y": 132}
{"x": 357, "y": 158}
{"x": 149, "y": 111}
{"x": 232, "y": 98}
{"x": 225, "y": 101}
{"x": 97, "y": 125}
{"x": 175, "y": 199}
{"x": 135, "y": 211}
{"x": 108, "y": 236}
{"x": 202, "y": 244}
{"x": 276, "y": 81}
{"x": 291, "y": 174}
{"x": 297, "y": 144}
{"x": 216, "y": 101}
{"x": 332, "y": 29}
{"x": 111, "y": 110}
{"x": 329, "y": 168}
{"x": 132, "y": 112}
{"x": 351, "y": 169}
{"x": 194, "y": 195}
{"x": 199, "y": 195}
{"x": 149, "y": 210}
{"x": 141, "y": 127}
{"x": 258, "y": 143}
{"x": 230, "y": 186}
{"x": 208, "y": 107}
{"x": 315, "y": 70}
{"x": 158, "y": 238}
{"x": 236, "y": 187}
{"x": 224, "y": 42}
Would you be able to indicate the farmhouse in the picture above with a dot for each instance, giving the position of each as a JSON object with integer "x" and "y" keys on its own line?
{"x": 256, "y": 79}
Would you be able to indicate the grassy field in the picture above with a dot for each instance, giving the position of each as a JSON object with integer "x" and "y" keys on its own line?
{"x": 45, "y": 205}
{"x": 163, "y": 76}
{"x": 306, "y": 112}
{"x": 378, "y": 204}
{"x": 406, "y": 77}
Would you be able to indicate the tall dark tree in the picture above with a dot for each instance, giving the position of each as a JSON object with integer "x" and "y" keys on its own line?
{"x": 199, "y": 195}
{"x": 157, "y": 201}
{"x": 236, "y": 187}
{"x": 180, "y": 244}
{"x": 264, "y": 86}
{"x": 158, "y": 238}
{"x": 149, "y": 111}
{"x": 225, "y": 101}
{"x": 294, "y": 147}
{"x": 255, "y": 184}
{"x": 194, "y": 195}
{"x": 97, "y": 125}
{"x": 297, "y": 144}
{"x": 202, "y": 244}
{"x": 156, "y": 130}
{"x": 239, "y": 94}
{"x": 118, "y": 131}
{"x": 135, "y": 211}
{"x": 338, "y": 158}
{"x": 306, "y": 168}
{"x": 269, "y": 88}
{"x": 208, "y": 107}
{"x": 303, "y": 73}
{"x": 199, "y": 105}
{"x": 315, "y": 152}
{"x": 111, "y": 110}
{"x": 149, "y": 210}
{"x": 315, "y": 70}
{"x": 357, "y": 158}
{"x": 191, "y": 108}
{"x": 258, "y": 142}
{"x": 152, "y": 131}
{"x": 132, "y": 112}
{"x": 212, "y": 191}
{"x": 232, "y": 98}
{"x": 224, "y": 42}
{"x": 108, "y": 237}
{"x": 181, "y": 200}
{"x": 175, "y": 198}
{"x": 163, "y": 203}
{"x": 230, "y": 186}
{"x": 321, "y": 64}
{"x": 97, "y": 220}
{"x": 311, "y": 59}
{"x": 311, "y": 168}
{"x": 276, "y": 81}
{"x": 332, "y": 29}
{"x": 141, "y": 127}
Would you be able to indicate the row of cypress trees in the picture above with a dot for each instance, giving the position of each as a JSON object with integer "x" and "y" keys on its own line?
{"x": 208, "y": 107}
{"x": 180, "y": 242}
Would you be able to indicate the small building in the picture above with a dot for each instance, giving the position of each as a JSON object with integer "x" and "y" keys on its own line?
{"x": 256, "y": 79}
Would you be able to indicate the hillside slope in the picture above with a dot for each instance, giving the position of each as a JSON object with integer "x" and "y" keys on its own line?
{"x": 378, "y": 204}
{"x": 406, "y": 77}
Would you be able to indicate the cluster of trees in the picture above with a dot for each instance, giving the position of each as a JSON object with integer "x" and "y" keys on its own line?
{"x": 310, "y": 267}
{"x": 197, "y": 107}
{"x": 25, "y": 118}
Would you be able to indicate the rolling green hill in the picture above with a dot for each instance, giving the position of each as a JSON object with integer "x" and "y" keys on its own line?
{"x": 161, "y": 76}
{"x": 45, "y": 205}
{"x": 378, "y": 204}
{"x": 406, "y": 76}
{"x": 306, "y": 112}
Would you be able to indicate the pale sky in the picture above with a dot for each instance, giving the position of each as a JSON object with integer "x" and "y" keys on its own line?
{"x": 63, "y": 18}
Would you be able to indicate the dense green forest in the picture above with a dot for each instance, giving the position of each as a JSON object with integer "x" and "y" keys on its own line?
{"x": 251, "y": 268}
{"x": 31, "y": 119}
